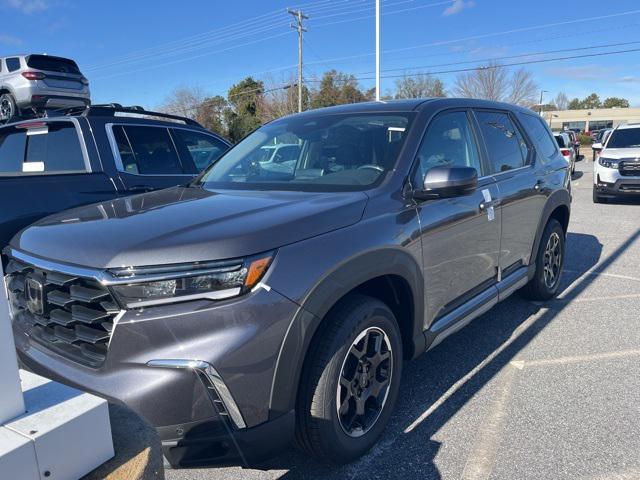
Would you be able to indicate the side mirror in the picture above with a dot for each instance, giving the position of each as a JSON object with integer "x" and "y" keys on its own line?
{"x": 446, "y": 182}
{"x": 597, "y": 147}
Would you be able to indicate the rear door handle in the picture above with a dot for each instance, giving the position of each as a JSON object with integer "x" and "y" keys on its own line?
{"x": 140, "y": 189}
{"x": 492, "y": 203}
{"x": 539, "y": 184}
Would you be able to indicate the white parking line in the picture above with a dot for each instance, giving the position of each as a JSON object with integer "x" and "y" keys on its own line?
{"x": 520, "y": 364}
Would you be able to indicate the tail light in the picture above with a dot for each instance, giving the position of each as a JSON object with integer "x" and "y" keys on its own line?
{"x": 84, "y": 80}
{"x": 33, "y": 75}
{"x": 565, "y": 152}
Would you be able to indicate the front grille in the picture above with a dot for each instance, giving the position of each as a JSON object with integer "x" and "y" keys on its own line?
{"x": 71, "y": 316}
{"x": 629, "y": 168}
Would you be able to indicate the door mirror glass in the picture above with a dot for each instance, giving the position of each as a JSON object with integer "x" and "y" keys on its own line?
{"x": 446, "y": 182}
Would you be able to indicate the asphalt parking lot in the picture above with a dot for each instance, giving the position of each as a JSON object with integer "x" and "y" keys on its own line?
{"x": 528, "y": 390}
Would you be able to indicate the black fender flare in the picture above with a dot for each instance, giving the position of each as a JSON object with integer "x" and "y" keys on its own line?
{"x": 332, "y": 287}
{"x": 559, "y": 198}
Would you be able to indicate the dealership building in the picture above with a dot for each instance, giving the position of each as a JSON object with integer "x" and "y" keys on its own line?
{"x": 591, "y": 119}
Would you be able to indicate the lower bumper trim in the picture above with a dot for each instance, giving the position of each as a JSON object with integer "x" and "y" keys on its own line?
{"x": 213, "y": 378}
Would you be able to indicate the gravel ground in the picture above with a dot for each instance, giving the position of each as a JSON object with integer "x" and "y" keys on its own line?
{"x": 528, "y": 390}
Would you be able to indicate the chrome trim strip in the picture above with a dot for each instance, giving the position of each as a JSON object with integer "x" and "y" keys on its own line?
{"x": 213, "y": 377}
{"x": 103, "y": 276}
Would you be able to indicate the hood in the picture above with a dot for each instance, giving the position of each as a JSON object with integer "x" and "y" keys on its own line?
{"x": 620, "y": 153}
{"x": 180, "y": 225}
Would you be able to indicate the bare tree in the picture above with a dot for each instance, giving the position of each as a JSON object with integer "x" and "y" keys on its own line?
{"x": 419, "y": 86}
{"x": 191, "y": 102}
{"x": 522, "y": 88}
{"x": 561, "y": 101}
{"x": 281, "y": 98}
{"x": 494, "y": 82}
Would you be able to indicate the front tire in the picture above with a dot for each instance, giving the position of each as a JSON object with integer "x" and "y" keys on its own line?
{"x": 549, "y": 263}
{"x": 8, "y": 107}
{"x": 350, "y": 381}
{"x": 597, "y": 198}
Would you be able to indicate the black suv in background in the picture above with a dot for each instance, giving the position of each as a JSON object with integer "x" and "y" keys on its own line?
{"x": 268, "y": 301}
{"x": 94, "y": 154}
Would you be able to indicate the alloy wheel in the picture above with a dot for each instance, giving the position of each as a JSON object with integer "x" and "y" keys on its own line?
{"x": 364, "y": 382}
{"x": 6, "y": 109}
{"x": 552, "y": 261}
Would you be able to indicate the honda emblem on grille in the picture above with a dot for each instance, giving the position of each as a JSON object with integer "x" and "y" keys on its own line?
{"x": 34, "y": 292}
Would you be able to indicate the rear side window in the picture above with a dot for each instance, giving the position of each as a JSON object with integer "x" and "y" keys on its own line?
{"x": 147, "y": 150}
{"x": 537, "y": 130}
{"x": 52, "y": 64}
{"x": 58, "y": 147}
{"x": 13, "y": 64}
{"x": 202, "y": 149}
{"x": 560, "y": 141}
{"x": 12, "y": 146}
{"x": 506, "y": 147}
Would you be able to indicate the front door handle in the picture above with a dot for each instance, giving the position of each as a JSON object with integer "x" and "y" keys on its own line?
{"x": 140, "y": 189}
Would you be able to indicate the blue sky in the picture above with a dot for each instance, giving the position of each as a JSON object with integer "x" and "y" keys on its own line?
{"x": 138, "y": 51}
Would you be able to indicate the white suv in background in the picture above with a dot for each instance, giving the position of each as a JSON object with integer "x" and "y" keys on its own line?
{"x": 616, "y": 172}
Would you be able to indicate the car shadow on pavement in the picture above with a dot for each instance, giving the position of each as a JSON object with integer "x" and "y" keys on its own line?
{"x": 439, "y": 383}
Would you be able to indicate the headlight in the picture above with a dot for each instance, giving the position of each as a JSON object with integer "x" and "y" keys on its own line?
{"x": 608, "y": 162}
{"x": 145, "y": 286}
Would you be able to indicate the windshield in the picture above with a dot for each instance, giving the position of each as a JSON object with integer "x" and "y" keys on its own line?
{"x": 313, "y": 153}
{"x": 624, "y": 138}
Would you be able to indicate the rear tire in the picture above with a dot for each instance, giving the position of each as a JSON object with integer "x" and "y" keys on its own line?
{"x": 339, "y": 381}
{"x": 549, "y": 263}
{"x": 8, "y": 108}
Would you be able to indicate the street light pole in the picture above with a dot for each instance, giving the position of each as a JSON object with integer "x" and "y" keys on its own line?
{"x": 377, "y": 50}
{"x": 542, "y": 92}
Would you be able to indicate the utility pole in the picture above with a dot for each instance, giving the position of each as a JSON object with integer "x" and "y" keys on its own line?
{"x": 299, "y": 16}
{"x": 377, "y": 50}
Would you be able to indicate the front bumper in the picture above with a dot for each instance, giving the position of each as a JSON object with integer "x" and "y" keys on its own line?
{"x": 611, "y": 183}
{"x": 239, "y": 338}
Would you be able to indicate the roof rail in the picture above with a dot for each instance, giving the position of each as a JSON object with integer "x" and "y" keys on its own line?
{"x": 111, "y": 109}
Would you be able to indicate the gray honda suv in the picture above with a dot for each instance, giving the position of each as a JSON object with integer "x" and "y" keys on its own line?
{"x": 267, "y": 302}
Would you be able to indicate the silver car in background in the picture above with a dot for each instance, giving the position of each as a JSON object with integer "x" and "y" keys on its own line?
{"x": 33, "y": 83}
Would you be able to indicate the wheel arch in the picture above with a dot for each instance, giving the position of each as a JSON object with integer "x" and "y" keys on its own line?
{"x": 390, "y": 275}
{"x": 557, "y": 207}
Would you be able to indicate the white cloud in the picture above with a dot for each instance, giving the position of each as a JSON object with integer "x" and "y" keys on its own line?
{"x": 29, "y": 6}
{"x": 457, "y": 6}
{"x": 10, "y": 40}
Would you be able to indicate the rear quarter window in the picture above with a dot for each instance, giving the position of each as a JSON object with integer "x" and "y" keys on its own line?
{"x": 13, "y": 64}
{"x": 12, "y": 147}
{"x": 59, "y": 149}
{"x": 539, "y": 134}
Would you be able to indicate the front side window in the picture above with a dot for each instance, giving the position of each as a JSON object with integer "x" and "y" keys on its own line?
{"x": 147, "y": 150}
{"x": 624, "y": 138}
{"x": 449, "y": 142}
{"x": 203, "y": 149}
{"x": 57, "y": 147}
{"x": 314, "y": 153}
{"x": 506, "y": 147}
{"x": 13, "y": 64}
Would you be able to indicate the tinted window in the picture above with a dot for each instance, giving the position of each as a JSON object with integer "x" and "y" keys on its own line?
{"x": 13, "y": 64}
{"x": 12, "y": 145}
{"x": 505, "y": 145}
{"x": 538, "y": 132}
{"x": 52, "y": 64}
{"x": 624, "y": 138}
{"x": 59, "y": 148}
{"x": 203, "y": 149}
{"x": 338, "y": 152}
{"x": 560, "y": 141}
{"x": 449, "y": 142}
{"x": 149, "y": 151}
